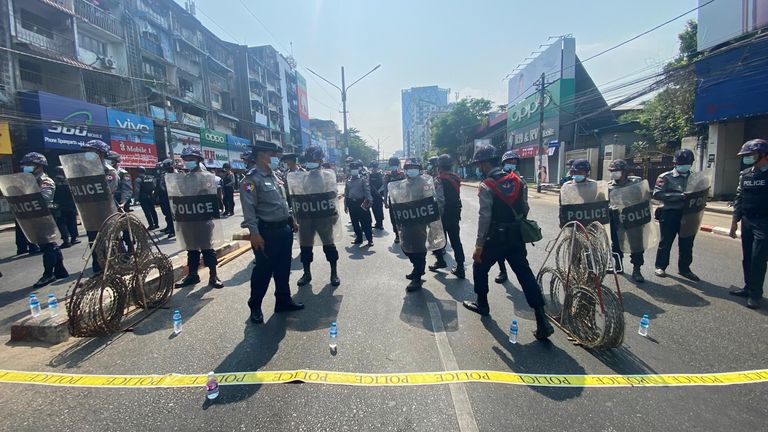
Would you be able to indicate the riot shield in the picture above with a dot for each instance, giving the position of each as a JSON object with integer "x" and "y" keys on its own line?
{"x": 88, "y": 183}
{"x": 696, "y": 194}
{"x": 29, "y": 207}
{"x": 634, "y": 227}
{"x": 585, "y": 202}
{"x": 314, "y": 197}
{"x": 195, "y": 208}
{"x": 416, "y": 214}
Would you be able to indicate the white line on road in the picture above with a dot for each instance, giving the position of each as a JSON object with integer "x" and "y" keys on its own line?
{"x": 461, "y": 405}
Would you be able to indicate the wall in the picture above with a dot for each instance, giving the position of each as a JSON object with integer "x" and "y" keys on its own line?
{"x": 725, "y": 140}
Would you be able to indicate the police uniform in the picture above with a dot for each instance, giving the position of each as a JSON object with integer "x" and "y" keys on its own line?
{"x": 510, "y": 155}
{"x": 751, "y": 209}
{"x": 392, "y": 176}
{"x": 111, "y": 176}
{"x": 228, "y": 188}
{"x": 450, "y": 188}
{"x": 162, "y": 198}
{"x": 376, "y": 180}
{"x": 636, "y": 258}
{"x": 145, "y": 184}
{"x": 670, "y": 190}
{"x": 266, "y": 213}
{"x": 66, "y": 211}
{"x": 357, "y": 192}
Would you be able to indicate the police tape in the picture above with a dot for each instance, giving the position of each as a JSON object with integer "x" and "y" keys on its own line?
{"x": 384, "y": 379}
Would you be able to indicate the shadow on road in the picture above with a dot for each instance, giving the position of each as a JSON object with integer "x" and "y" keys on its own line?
{"x": 711, "y": 290}
{"x": 622, "y": 361}
{"x": 637, "y": 306}
{"x": 82, "y": 350}
{"x": 675, "y": 294}
{"x": 320, "y": 310}
{"x": 416, "y": 314}
{"x": 458, "y": 289}
{"x": 358, "y": 252}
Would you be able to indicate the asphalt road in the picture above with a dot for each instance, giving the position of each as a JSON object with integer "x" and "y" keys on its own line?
{"x": 695, "y": 328}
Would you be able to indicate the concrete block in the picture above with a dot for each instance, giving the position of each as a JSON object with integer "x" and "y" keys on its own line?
{"x": 41, "y": 329}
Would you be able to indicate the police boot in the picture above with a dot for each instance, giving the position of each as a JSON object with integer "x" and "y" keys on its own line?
{"x": 743, "y": 292}
{"x": 480, "y": 306}
{"x": 43, "y": 281}
{"x": 190, "y": 280}
{"x": 501, "y": 278}
{"x": 306, "y": 278}
{"x": 688, "y": 274}
{"x": 459, "y": 271}
{"x": 213, "y": 279}
{"x": 439, "y": 264}
{"x": 636, "y": 275}
{"x": 335, "y": 281}
{"x": 415, "y": 284}
{"x": 543, "y": 328}
{"x": 397, "y": 237}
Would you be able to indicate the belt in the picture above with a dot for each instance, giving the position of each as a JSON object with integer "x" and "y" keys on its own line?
{"x": 274, "y": 225}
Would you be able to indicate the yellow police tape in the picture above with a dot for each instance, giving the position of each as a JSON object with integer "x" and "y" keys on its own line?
{"x": 385, "y": 379}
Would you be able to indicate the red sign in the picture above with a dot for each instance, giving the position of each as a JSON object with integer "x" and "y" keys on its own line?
{"x": 528, "y": 151}
{"x": 135, "y": 154}
{"x": 133, "y": 138}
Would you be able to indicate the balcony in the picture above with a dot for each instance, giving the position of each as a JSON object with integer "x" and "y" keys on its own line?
{"x": 152, "y": 47}
{"x": 98, "y": 17}
{"x": 256, "y": 96}
{"x": 57, "y": 44}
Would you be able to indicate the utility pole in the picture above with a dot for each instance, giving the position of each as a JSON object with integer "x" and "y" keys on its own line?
{"x": 168, "y": 143}
{"x": 541, "y": 132}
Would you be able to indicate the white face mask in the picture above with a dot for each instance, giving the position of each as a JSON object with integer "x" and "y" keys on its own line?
{"x": 312, "y": 165}
{"x": 274, "y": 162}
{"x": 615, "y": 175}
{"x": 412, "y": 172}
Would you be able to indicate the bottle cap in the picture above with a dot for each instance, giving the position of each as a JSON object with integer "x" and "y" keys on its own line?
{"x": 514, "y": 321}
{"x": 645, "y": 315}
{"x": 333, "y": 323}
{"x": 51, "y": 295}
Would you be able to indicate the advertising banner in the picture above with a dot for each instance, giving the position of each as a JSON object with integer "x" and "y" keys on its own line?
{"x": 556, "y": 62}
{"x": 67, "y": 124}
{"x": 523, "y": 117}
{"x": 158, "y": 113}
{"x": 182, "y": 138}
{"x": 5, "y": 139}
{"x": 133, "y": 138}
{"x": 236, "y": 146}
{"x": 214, "y": 148}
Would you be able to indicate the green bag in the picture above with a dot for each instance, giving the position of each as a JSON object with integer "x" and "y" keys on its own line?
{"x": 529, "y": 229}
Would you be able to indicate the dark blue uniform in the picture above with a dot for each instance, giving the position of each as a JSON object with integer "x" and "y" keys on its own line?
{"x": 751, "y": 209}
{"x": 451, "y": 186}
{"x": 376, "y": 180}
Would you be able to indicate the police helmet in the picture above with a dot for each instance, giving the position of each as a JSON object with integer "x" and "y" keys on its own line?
{"x": 393, "y": 161}
{"x": 484, "y": 153}
{"x": 191, "y": 151}
{"x": 355, "y": 164}
{"x": 141, "y": 169}
{"x": 412, "y": 162}
{"x": 226, "y": 166}
{"x": 34, "y": 158}
{"x": 618, "y": 165}
{"x": 248, "y": 156}
{"x": 510, "y": 155}
{"x": 752, "y": 146}
{"x": 433, "y": 161}
{"x": 445, "y": 161}
{"x": 582, "y": 165}
{"x": 167, "y": 163}
{"x": 97, "y": 146}
{"x": 114, "y": 157}
{"x": 569, "y": 163}
{"x": 373, "y": 165}
{"x": 313, "y": 153}
{"x": 684, "y": 157}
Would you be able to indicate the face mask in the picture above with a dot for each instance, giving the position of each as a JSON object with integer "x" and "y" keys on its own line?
{"x": 615, "y": 175}
{"x": 579, "y": 178}
{"x": 682, "y": 169}
{"x": 394, "y": 168}
{"x": 429, "y": 167}
{"x": 354, "y": 172}
{"x": 748, "y": 160}
{"x": 412, "y": 172}
{"x": 479, "y": 173}
{"x": 510, "y": 167}
{"x": 313, "y": 165}
{"x": 190, "y": 165}
{"x": 274, "y": 162}
{"x": 28, "y": 169}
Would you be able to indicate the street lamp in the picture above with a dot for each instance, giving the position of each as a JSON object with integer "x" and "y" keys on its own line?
{"x": 343, "y": 89}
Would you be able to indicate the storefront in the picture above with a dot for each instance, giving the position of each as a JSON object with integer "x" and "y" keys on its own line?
{"x": 214, "y": 145}
{"x": 236, "y": 146}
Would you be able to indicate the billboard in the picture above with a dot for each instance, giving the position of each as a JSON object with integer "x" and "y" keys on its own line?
{"x": 301, "y": 94}
{"x": 557, "y": 61}
{"x": 181, "y": 138}
{"x": 214, "y": 148}
{"x": 236, "y": 146}
{"x": 724, "y": 20}
{"x": 5, "y": 139}
{"x": 66, "y": 124}
{"x": 133, "y": 138}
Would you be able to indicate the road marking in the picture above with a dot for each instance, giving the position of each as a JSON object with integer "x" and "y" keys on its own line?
{"x": 461, "y": 404}
{"x": 386, "y": 379}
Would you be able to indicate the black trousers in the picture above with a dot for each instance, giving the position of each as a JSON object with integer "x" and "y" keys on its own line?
{"x": 229, "y": 201}
{"x": 452, "y": 233}
{"x": 377, "y": 207}
{"x": 22, "y": 244}
{"x": 361, "y": 220}
{"x": 754, "y": 247}
{"x": 331, "y": 254}
{"x": 273, "y": 262}
{"x": 95, "y": 266}
{"x": 392, "y": 219}
{"x": 165, "y": 207}
{"x": 418, "y": 260}
{"x": 148, "y": 206}
{"x": 516, "y": 255}
{"x": 669, "y": 225}
{"x": 193, "y": 260}
{"x": 636, "y": 258}
{"x": 67, "y": 223}
{"x": 53, "y": 260}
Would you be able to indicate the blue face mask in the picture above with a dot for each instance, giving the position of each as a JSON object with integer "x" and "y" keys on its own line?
{"x": 479, "y": 173}
{"x": 578, "y": 178}
{"x": 394, "y": 168}
{"x": 748, "y": 160}
{"x": 190, "y": 165}
{"x": 28, "y": 169}
{"x": 429, "y": 167}
{"x": 682, "y": 169}
{"x": 274, "y": 162}
{"x": 509, "y": 167}
{"x": 412, "y": 172}
{"x": 354, "y": 172}
{"x": 312, "y": 165}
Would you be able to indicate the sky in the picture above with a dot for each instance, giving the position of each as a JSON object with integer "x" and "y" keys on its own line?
{"x": 466, "y": 46}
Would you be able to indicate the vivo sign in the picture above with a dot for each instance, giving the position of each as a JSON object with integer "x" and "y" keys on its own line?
{"x": 130, "y": 125}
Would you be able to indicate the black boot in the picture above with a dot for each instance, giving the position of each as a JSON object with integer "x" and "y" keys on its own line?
{"x": 439, "y": 264}
{"x": 636, "y": 275}
{"x": 43, "y": 281}
{"x": 415, "y": 284}
{"x": 190, "y": 280}
{"x": 288, "y": 305}
{"x": 543, "y": 328}
{"x": 480, "y": 306}
{"x": 335, "y": 281}
{"x": 459, "y": 271}
{"x": 501, "y": 278}
{"x": 213, "y": 279}
{"x": 397, "y": 237}
{"x": 306, "y": 278}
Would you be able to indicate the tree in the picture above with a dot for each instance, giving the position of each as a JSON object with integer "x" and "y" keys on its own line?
{"x": 450, "y": 130}
{"x": 358, "y": 147}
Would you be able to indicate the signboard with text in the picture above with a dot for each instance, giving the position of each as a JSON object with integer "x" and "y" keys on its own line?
{"x": 66, "y": 124}
{"x": 181, "y": 138}
{"x": 133, "y": 138}
{"x": 236, "y": 146}
{"x": 214, "y": 148}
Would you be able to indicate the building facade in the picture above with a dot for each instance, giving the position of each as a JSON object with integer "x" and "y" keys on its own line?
{"x": 418, "y": 105}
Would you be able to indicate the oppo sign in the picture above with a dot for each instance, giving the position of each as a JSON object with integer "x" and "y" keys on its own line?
{"x": 213, "y": 138}
{"x": 526, "y": 109}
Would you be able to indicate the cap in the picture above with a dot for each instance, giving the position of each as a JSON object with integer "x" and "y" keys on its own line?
{"x": 98, "y": 146}
{"x": 412, "y": 162}
{"x": 510, "y": 155}
{"x": 269, "y": 146}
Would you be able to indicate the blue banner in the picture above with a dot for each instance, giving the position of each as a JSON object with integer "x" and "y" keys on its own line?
{"x": 236, "y": 146}
{"x": 66, "y": 124}
{"x": 133, "y": 138}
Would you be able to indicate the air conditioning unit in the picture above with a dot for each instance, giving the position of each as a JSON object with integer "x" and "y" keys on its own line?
{"x": 107, "y": 62}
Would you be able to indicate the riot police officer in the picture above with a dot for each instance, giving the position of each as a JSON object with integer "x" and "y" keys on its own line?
{"x": 193, "y": 163}
{"x": 145, "y": 188}
{"x": 394, "y": 173}
{"x": 580, "y": 171}
{"x": 670, "y": 189}
{"x": 376, "y": 180}
{"x": 751, "y": 209}
{"x": 451, "y": 188}
{"x": 165, "y": 167}
{"x": 357, "y": 202}
{"x": 620, "y": 179}
{"x": 509, "y": 163}
{"x": 65, "y": 210}
{"x": 502, "y": 201}
{"x": 102, "y": 149}
{"x": 53, "y": 261}
{"x": 271, "y": 226}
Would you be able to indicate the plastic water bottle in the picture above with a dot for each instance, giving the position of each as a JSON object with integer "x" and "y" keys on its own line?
{"x": 644, "y": 324}
{"x": 176, "y": 322}
{"x": 213, "y": 387}
{"x": 53, "y": 305}
{"x": 333, "y": 334}
{"x": 513, "y": 332}
{"x": 34, "y": 306}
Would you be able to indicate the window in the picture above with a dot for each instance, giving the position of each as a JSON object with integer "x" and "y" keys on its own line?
{"x": 30, "y": 72}
{"x": 154, "y": 70}
{"x": 36, "y": 23}
{"x": 93, "y": 45}
{"x": 186, "y": 87}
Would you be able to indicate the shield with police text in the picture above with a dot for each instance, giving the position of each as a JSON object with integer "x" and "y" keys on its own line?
{"x": 416, "y": 214}
{"x": 195, "y": 208}
{"x": 694, "y": 201}
{"x": 314, "y": 201}
{"x": 585, "y": 203}
{"x": 632, "y": 215}
{"x": 29, "y": 207}
{"x": 88, "y": 183}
